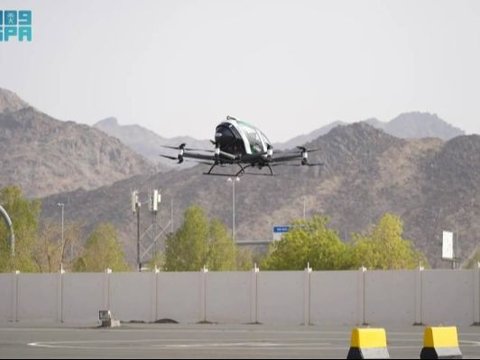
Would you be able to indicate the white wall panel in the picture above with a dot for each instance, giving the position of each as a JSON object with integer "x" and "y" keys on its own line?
{"x": 281, "y": 297}
{"x": 179, "y": 296}
{"x": 447, "y": 297}
{"x": 333, "y": 297}
{"x": 390, "y": 298}
{"x": 6, "y": 297}
{"x": 84, "y": 294}
{"x": 228, "y": 297}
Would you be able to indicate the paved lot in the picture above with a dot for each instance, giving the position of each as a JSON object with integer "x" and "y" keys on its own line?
{"x": 205, "y": 341}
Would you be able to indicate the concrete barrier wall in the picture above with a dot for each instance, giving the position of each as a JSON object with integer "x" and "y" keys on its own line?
{"x": 132, "y": 296}
{"x": 448, "y": 297}
{"x": 180, "y": 297}
{"x": 280, "y": 297}
{"x": 389, "y": 297}
{"x": 84, "y": 294}
{"x": 7, "y": 283}
{"x": 37, "y": 298}
{"x": 229, "y": 297}
{"x": 334, "y": 297}
{"x": 378, "y": 298}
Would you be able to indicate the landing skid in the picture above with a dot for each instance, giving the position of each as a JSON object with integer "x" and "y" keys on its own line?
{"x": 234, "y": 175}
{"x": 239, "y": 173}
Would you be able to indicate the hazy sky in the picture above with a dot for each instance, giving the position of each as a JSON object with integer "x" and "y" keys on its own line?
{"x": 179, "y": 67}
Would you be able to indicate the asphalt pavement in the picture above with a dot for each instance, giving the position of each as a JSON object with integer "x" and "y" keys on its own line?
{"x": 214, "y": 341}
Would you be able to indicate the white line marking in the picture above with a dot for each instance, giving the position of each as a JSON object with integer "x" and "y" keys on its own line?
{"x": 470, "y": 343}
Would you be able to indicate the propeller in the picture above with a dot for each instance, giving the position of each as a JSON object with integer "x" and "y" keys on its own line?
{"x": 179, "y": 157}
{"x": 305, "y": 152}
{"x": 192, "y": 160}
{"x": 183, "y": 147}
{"x": 169, "y": 157}
{"x": 304, "y": 149}
{"x": 180, "y": 149}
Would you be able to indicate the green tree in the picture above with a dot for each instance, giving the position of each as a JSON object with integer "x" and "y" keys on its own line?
{"x": 24, "y": 214}
{"x": 222, "y": 252}
{"x": 50, "y": 252}
{"x": 384, "y": 248}
{"x": 245, "y": 259}
{"x": 186, "y": 249}
{"x": 473, "y": 260}
{"x": 158, "y": 260}
{"x": 200, "y": 242}
{"x": 102, "y": 251}
{"x": 309, "y": 241}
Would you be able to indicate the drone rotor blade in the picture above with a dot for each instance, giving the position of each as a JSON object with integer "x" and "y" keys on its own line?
{"x": 315, "y": 164}
{"x": 170, "y": 157}
{"x": 304, "y": 149}
{"x": 186, "y": 148}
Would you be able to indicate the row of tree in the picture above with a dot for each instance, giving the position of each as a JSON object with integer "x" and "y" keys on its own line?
{"x": 198, "y": 242}
{"x": 312, "y": 242}
{"x": 39, "y": 247}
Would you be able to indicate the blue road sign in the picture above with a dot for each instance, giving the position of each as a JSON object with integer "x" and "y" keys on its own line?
{"x": 281, "y": 229}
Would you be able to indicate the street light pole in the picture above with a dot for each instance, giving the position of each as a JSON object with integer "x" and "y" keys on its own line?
{"x": 62, "y": 206}
{"x": 304, "y": 208}
{"x": 5, "y": 216}
{"x": 136, "y": 204}
{"x": 237, "y": 179}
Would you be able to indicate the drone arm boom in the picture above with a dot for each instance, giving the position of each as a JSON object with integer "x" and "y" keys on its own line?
{"x": 198, "y": 156}
{"x": 286, "y": 158}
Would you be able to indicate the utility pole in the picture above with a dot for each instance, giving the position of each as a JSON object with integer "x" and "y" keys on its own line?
{"x": 148, "y": 240}
{"x": 62, "y": 206}
{"x": 138, "y": 238}
{"x": 237, "y": 179}
{"x": 456, "y": 258}
{"x": 155, "y": 200}
{"x": 136, "y": 209}
{"x": 7, "y": 219}
{"x": 304, "y": 208}
{"x": 171, "y": 215}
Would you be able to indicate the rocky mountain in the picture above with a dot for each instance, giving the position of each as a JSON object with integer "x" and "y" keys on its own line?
{"x": 302, "y": 139}
{"x": 9, "y": 101}
{"x": 432, "y": 184}
{"x": 148, "y": 143}
{"x": 411, "y": 125}
{"x": 47, "y": 156}
{"x": 417, "y": 125}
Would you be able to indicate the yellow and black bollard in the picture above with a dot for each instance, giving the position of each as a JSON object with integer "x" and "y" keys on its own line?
{"x": 368, "y": 343}
{"x": 440, "y": 343}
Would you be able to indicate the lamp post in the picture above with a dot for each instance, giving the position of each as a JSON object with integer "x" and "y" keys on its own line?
{"x": 233, "y": 181}
{"x": 136, "y": 204}
{"x": 5, "y": 216}
{"x": 62, "y": 206}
